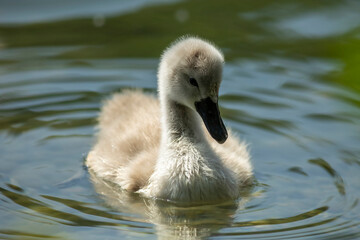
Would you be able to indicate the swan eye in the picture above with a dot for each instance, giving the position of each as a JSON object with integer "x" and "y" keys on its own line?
{"x": 193, "y": 82}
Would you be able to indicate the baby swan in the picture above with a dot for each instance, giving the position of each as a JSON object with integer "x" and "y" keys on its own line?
{"x": 160, "y": 148}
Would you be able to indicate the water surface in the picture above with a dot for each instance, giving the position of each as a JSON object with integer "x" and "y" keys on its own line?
{"x": 291, "y": 90}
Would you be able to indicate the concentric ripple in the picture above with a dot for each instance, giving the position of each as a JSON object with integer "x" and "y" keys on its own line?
{"x": 289, "y": 91}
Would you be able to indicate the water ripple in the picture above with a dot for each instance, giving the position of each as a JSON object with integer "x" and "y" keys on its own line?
{"x": 338, "y": 180}
{"x": 295, "y": 100}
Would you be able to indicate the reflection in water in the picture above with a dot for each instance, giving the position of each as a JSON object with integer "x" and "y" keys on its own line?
{"x": 290, "y": 90}
{"x": 170, "y": 220}
{"x": 289, "y": 205}
{"x": 338, "y": 181}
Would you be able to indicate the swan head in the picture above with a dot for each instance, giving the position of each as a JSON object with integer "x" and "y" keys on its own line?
{"x": 190, "y": 74}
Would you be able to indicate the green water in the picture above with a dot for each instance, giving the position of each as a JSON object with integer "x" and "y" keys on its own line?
{"x": 291, "y": 89}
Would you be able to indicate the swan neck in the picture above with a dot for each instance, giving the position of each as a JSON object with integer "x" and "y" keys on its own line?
{"x": 180, "y": 122}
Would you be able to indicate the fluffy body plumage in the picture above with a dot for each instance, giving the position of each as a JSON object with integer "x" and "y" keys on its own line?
{"x": 160, "y": 148}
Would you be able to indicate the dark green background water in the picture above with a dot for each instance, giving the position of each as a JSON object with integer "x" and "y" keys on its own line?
{"x": 291, "y": 89}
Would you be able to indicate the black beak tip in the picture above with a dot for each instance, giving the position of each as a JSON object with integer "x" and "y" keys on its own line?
{"x": 222, "y": 138}
{"x": 210, "y": 114}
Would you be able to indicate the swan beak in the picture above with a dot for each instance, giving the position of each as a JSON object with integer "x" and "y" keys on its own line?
{"x": 210, "y": 114}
